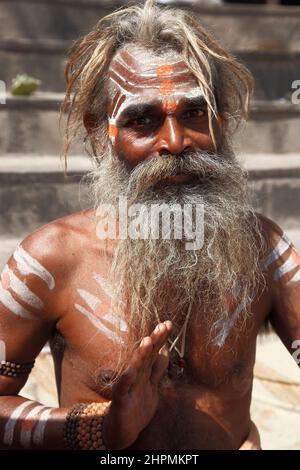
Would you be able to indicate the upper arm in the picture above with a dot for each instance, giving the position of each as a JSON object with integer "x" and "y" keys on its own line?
{"x": 282, "y": 264}
{"x": 27, "y": 288}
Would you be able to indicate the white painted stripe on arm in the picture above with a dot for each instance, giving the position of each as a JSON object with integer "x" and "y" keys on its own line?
{"x": 22, "y": 291}
{"x": 295, "y": 278}
{"x": 39, "y": 431}
{"x": 287, "y": 266}
{"x": 25, "y": 436}
{"x": 11, "y": 423}
{"x": 13, "y": 306}
{"x": 283, "y": 244}
{"x": 28, "y": 265}
{"x": 2, "y": 351}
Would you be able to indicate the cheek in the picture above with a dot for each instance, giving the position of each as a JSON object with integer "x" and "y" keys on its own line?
{"x": 202, "y": 137}
{"x": 129, "y": 147}
{"x": 204, "y": 142}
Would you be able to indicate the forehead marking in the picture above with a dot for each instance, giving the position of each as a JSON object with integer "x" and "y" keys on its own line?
{"x": 167, "y": 79}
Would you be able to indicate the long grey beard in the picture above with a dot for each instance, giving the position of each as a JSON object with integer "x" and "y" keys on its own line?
{"x": 159, "y": 278}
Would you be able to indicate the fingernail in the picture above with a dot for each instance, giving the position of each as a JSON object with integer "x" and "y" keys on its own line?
{"x": 157, "y": 329}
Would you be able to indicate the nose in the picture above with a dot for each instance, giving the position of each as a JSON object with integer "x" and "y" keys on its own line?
{"x": 172, "y": 137}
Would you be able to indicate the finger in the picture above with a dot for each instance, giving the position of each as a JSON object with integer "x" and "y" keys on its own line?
{"x": 146, "y": 354}
{"x": 120, "y": 389}
{"x": 160, "y": 366}
{"x": 159, "y": 337}
{"x": 142, "y": 353}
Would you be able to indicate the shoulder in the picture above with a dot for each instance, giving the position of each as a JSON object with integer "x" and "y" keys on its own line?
{"x": 270, "y": 230}
{"x": 280, "y": 259}
{"x": 45, "y": 260}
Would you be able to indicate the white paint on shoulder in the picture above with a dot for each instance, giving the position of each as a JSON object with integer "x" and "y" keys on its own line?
{"x": 287, "y": 266}
{"x": 22, "y": 291}
{"x": 12, "y": 421}
{"x": 281, "y": 247}
{"x": 295, "y": 278}
{"x": 13, "y": 306}
{"x": 28, "y": 265}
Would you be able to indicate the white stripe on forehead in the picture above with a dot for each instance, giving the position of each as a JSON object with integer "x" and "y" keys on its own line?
{"x": 152, "y": 67}
{"x": 194, "y": 93}
{"x": 26, "y": 264}
{"x": 139, "y": 86}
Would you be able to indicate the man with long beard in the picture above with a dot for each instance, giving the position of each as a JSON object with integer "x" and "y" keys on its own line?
{"x": 153, "y": 343}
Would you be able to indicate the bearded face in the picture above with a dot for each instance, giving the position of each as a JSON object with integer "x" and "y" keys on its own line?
{"x": 161, "y": 153}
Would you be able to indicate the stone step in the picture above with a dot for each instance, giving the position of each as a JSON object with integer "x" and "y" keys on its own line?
{"x": 31, "y": 125}
{"x": 268, "y": 27}
{"x": 274, "y": 71}
{"x": 35, "y": 190}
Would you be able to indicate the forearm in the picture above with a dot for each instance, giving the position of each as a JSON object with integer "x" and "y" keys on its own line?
{"x": 25, "y": 424}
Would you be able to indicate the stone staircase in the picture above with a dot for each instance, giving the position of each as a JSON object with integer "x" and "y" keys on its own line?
{"x": 35, "y": 37}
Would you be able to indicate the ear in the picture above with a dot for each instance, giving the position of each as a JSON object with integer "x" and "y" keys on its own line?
{"x": 90, "y": 122}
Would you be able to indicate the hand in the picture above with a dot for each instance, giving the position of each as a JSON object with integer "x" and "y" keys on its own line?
{"x": 135, "y": 394}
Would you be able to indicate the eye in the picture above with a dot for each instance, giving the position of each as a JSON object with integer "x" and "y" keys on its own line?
{"x": 194, "y": 113}
{"x": 139, "y": 122}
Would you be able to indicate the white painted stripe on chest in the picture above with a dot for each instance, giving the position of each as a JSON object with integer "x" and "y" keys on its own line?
{"x": 22, "y": 291}
{"x": 114, "y": 319}
{"x": 13, "y": 306}
{"x": 92, "y": 301}
{"x": 226, "y": 326}
{"x": 28, "y": 265}
{"x": 104, "y": 284}
{"x": 11, "y": 423}
{"x": 25, "y": 436}
{"x": 99, "y": 325}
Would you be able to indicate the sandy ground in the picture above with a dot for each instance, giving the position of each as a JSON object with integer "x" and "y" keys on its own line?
{"x": 276, "y": 391}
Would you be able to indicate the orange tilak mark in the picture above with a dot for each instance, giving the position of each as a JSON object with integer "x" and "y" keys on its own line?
{"x": 164, "y": 70}
{"x": 170, "y": 106}
{"x": 166, "y": 88}
{"x": 112, "y": 130}
{"x": 5, "y": 280}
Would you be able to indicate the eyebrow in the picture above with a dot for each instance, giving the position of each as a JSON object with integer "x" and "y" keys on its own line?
{"x": 140, "y": 109}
